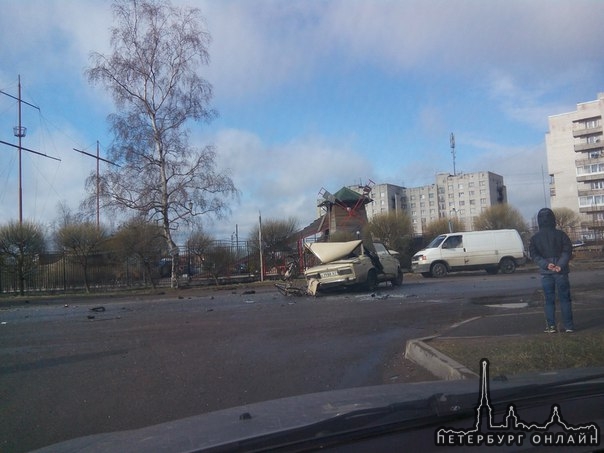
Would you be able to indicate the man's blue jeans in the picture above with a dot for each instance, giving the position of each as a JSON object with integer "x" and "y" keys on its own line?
{"x": 559, "y": 283}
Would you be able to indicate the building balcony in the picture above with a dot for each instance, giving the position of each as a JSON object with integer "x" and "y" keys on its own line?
{"x": 590, "y": 192}
{"x": 590, "y": 177}
{"x": 581, "y": 147}
{"x": 581, "y": 131}
{"x": 591, "y": 209}
{"x": 593, "y": 224}
{"x": 589, "y": 161}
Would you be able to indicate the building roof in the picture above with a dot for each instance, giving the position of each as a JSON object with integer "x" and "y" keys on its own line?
{"x": 345, "y": 196}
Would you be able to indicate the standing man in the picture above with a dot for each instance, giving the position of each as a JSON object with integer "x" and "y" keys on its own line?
{"x": 551, "y": 250}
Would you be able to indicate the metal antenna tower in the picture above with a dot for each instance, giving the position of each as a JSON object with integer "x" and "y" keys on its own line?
{"x": 452, "y": 142}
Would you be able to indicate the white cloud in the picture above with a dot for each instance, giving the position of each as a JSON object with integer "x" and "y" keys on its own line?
{"x": 283, "y": 180}
{"x": 524, "y": 169}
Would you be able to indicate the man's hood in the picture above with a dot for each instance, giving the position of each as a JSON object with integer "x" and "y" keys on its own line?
{"x": 546, "y": 218}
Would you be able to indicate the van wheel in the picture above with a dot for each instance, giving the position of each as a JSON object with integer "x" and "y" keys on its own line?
{"x": 372, "y": 281}
{"x": 439, "y": 270}
{"x": 398, "y": 281}
{"x": 507, "y": 266}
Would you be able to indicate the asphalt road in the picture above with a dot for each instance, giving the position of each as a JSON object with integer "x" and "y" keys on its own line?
{"x": 67, "y": 370}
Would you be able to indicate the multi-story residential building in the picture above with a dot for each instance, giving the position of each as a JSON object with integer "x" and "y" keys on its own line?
{"x": 466, "y": 195}
{"x": 463, "y": 196}
{"x": 423, "y": 206}
{"x": 575, "y": 159}
{"x": 386, "y": 198}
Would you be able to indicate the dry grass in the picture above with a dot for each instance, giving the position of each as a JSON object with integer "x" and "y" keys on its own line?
{"x": 517, "y": 355}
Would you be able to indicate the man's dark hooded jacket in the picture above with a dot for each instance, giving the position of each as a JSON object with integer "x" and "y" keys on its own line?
{"x": 550, "y": 245}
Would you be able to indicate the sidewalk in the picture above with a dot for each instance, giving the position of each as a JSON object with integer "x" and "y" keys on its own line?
{"x": 588, "y": 315}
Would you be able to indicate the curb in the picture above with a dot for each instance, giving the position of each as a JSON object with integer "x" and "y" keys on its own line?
{"x": 420, "y": 352}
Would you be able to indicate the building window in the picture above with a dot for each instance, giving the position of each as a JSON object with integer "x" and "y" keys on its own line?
{"x": 483, "y": 201}
{"x": 597, "y": 185}
{"x": 590, "y": 169}
{"x": 593, "y": 139}
{"x": 461, "y": 194}
{"x": 591, "y": 123}
{"x": 594, "y": 200}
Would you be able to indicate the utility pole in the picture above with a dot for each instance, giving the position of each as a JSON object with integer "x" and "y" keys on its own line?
{"x": 98, "y": 179}
{"x": 260, "y": 246}
{"x": 19, "y": 132}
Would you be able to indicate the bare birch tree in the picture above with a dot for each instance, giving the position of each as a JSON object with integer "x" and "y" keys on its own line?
{"x": 158, "y": 52}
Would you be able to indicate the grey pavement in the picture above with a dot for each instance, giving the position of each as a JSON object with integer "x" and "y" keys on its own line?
{"x": 518, "y": 319}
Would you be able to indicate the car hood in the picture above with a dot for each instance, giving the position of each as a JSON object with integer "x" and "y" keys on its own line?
{"x": 232, "y": 428}
{"x": 331, "y": 251}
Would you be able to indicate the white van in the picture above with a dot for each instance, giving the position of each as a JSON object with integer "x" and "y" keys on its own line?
{"x": 492, "y": 250}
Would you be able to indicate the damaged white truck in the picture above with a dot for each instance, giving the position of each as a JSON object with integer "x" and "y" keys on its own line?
{"x": 351, "y": 263}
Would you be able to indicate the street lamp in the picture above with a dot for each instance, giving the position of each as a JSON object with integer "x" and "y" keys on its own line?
{"x": 452, "y": 213}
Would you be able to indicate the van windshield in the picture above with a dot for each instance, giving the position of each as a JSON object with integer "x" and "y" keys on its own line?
{"x": 436, "y": 241}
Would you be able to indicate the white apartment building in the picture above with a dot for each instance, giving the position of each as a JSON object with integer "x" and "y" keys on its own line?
{"x": 575, "y": 159}
{"x": 386, "y": 198}
{"x": 464, "y": 196}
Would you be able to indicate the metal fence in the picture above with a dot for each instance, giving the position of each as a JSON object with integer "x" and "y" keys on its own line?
{"x": 61, "y": 272}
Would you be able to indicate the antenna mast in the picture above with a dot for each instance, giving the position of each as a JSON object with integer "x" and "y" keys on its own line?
{"x": 19, "y": 132}
{"x": 452, "y": 142}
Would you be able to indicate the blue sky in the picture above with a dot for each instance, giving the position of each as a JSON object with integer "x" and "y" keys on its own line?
{"x": 316, "y": 93}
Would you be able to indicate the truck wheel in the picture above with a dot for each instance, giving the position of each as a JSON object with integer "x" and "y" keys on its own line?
{"x": 439, "y": 270}
{"x": 507, "y": 266}
{"x": 372, "y": 281}
{"x": 398, "y": 281}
